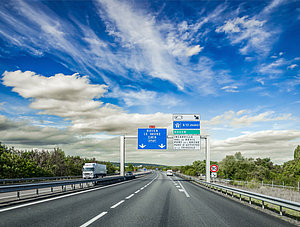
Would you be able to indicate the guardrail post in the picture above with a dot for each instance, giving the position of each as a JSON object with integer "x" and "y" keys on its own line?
{"x": 37, "y": 192}
{"x": 18, "y": 195}
{"x": 280, "y": 210}
{"x": 52, "y": 189}
{"x": 249, "y": 200}
{"x": 263, "y": 204}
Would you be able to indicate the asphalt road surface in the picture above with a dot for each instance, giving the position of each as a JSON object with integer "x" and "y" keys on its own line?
{"x": 153, "y": 200}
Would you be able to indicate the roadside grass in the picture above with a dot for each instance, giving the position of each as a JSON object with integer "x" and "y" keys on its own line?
{"x": 269, "y": 206}
{"x": 287, "y": 194}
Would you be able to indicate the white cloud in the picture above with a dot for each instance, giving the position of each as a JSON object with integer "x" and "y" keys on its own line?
{"x": 253, "y": 34}
{"x": 278, "y": 145}
{"x": 273, "y": 68}
{"x": 273, "y": 5}
{"x": 142, "y": 97}
{"x": 194, "y": 50}
{"x": 137, "y": 31}
{"x": 247, "y": 30}
{"x": 232, "y": 89}
{"x": 73, "y": 98}
{"x": 243, "y": 118}
{"x": 292, "y": 66}
{"x": 21, "y": 132}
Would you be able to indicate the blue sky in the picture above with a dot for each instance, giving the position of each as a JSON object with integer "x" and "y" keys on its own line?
{"x": 77, "y": 74}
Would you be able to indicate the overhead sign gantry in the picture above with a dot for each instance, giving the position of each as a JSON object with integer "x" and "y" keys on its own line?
{"x": 186, "y": 136}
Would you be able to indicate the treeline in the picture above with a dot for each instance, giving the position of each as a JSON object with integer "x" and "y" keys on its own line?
{"x": 237, "y": 167}
{"x": 25, "y": 164}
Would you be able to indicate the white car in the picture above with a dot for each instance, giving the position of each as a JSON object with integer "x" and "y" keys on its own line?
{"x": 169, "y": 172}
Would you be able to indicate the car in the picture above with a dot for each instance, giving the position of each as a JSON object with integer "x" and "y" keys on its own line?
{"x": 129, "y": 173}
{"x": 169, "y": 172}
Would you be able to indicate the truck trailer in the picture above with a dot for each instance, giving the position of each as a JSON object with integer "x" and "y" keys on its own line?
{"x": 93, "y": 170}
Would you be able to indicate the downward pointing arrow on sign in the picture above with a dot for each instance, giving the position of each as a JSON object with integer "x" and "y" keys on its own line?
{"x": 142, "y": 146}
{"x": 161, "y": 146}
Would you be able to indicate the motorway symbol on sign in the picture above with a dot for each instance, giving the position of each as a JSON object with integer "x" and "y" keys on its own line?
{"x": 152, "y": 138}
{"x": 186, "y": 124}
{"x": 214, "y": 168}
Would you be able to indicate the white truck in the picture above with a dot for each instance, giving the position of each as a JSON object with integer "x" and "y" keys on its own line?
{"x": 93, "y": 170}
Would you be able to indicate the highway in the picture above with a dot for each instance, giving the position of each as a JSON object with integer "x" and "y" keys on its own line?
{"x": 153, "y": 200}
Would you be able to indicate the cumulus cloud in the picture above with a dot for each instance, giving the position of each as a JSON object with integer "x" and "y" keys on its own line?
{"x": 21, "y": 132}
{"x": 278, "y": 145}
{"x": 95, "y": 126}
{"x": 244, "y": 118}
{"x": 74, "y": 98}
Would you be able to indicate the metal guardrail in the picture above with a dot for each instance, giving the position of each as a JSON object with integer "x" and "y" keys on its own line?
{"x": 251, "y": 195}
{"x": 241, "y": 183}
{"x": 4, "y": 181}
{"x": 63, "y": 184}
{"x": 45, "y": 178}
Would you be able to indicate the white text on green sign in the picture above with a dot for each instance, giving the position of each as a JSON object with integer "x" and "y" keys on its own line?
{"x": 189, "y": 132}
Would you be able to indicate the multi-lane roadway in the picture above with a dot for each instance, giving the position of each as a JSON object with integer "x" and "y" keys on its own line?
{"x": 153, "y": 200}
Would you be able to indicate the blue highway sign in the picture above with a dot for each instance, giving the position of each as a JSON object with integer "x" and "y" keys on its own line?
{"x": 152, "y": 138}
{"x": 186, "y": 124}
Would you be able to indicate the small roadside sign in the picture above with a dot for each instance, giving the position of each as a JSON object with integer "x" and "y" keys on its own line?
{"x": 213, "y": 175}
{"x": 214, "y": 168}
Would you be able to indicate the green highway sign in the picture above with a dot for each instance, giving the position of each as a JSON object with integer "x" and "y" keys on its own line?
{"x": 189, "y": 132}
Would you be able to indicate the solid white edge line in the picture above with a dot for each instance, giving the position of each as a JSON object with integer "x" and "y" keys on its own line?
{"x": 117, "y": 204}
{"x": 63, "y": 196}
{"x": 93, "y": 219}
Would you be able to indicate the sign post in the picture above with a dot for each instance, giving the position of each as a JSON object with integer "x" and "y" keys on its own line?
{"x": 207, "y": 157}
{"x": 122, "y": 155}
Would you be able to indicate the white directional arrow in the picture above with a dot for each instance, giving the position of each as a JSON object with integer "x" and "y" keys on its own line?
{"x": 161, "y": 146}
{"x": 142, "y": 146}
